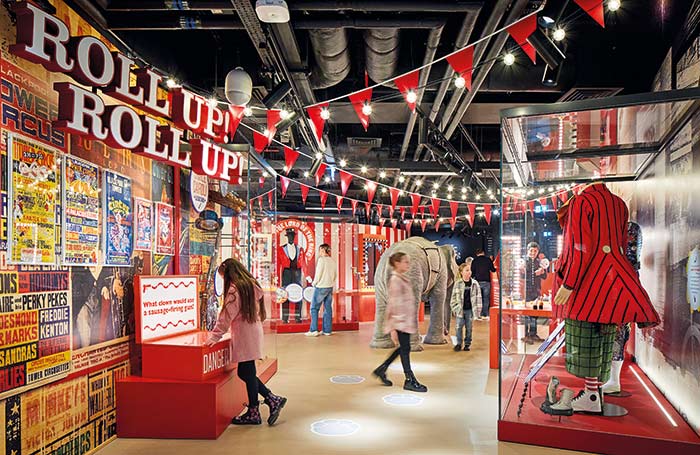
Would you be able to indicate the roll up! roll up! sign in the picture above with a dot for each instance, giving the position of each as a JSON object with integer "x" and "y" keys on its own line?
{"x": 45, "y": 40}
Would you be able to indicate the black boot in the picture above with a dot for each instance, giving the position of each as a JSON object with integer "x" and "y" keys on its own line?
{"x": 380, "y": 373}
{"x": 412, "y": 384}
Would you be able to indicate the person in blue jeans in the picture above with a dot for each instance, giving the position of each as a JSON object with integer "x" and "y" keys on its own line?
{"x": 466, "y": 297}
{"x": 482, "y": 267}
{"x": 324, "y": 280}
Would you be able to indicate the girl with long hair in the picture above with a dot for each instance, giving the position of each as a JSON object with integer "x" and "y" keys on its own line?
{"x": 243, "y": 314}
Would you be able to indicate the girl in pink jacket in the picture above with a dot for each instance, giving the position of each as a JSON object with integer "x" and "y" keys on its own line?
{"x": 401, "y": 314}
{"x": 243, "y": 313}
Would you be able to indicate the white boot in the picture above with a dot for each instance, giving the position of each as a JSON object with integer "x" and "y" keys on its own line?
{"x": 588, "y": 401}
{"x": 613, "y": 384}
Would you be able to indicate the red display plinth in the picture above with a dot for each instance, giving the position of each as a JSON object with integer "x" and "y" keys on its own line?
{"x": 162, "y": 408}
{"x": 648, "y": 428}
{"x": 300, "y": 327}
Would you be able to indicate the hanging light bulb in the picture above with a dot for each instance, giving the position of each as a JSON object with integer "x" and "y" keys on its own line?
{"x": 559, "y": 34}
{"x": 266, "y": 133}
{"x": 383, "y": 190}
{"x": 449, "y": 195}
{"x": 478, "y": 197}
{"x": 247, "y": 112}
{"x": 284, "y": 114}
{"x": 411, "y": 97}
{"x": 343, "y": 163}
{"x": 614, "y": 5}
{"x": 464, "y": 197}
{"x": 436, "y": 185}
{"x": 363, "y": 169}
{"x": 382, "y": 175}
{"x": 450, "y": 188}
{"x": 319, "y": 155}
{"x": 327, "y": 179}
{"x": 171, "y": 83}
{"x": 400, "y": 193}
{"x": 460, "y": 81}
{"x": 540, "y": 191}
{"x": 419, "y": 183}
{"x": 367, "y": 109}
{"x": 464, "y": 189}
{"x": 433, "y": 194}
{"x": 365, "y": 187}
{"x": 508, "y": 59}
{"x": 265, "y": 174}
{"x": 402, "y": 179}
{"x": 325, "y": 113}
{"x": 306, "y": 174}
{"x": 550, "y": 189}
{"x": 213, "y": 102}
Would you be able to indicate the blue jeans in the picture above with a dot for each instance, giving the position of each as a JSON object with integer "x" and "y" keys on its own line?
{"x": 485, "y": 297}
{"x": 325, "y": 296}
{"x": 466, "y": 323}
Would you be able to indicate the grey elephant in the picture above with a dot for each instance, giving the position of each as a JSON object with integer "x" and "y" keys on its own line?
{"x": 432, "y": 272}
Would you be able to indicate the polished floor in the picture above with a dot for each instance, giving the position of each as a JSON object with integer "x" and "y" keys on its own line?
{"x": 458, "y": 414}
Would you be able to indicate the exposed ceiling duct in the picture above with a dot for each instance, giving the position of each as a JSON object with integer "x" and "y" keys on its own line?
{"x": 381, "y": 53}
{"x": 330, "y": 47}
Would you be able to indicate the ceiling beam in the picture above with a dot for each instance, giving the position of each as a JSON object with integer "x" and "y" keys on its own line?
{"x": 392, "y": 6}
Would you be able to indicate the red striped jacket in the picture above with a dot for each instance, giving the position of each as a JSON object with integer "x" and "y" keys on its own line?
{"x": 606, "y": 288}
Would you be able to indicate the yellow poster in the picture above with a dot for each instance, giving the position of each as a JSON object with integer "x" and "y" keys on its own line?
{"x": 32, "y": 208}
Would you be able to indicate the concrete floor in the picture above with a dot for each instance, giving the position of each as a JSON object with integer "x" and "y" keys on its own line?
{"x": 458, "y": 415}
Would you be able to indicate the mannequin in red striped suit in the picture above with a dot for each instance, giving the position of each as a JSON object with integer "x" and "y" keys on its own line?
{"x": 600, "y": 288}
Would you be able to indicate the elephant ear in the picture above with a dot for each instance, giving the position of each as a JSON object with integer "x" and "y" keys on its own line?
{"x": 452, "y": 269}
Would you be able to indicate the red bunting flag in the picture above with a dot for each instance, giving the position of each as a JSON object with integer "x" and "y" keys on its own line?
{"x": 368, "y": 209}
{"x": 269, "y": 199}
{"x": 260, "y": 203}
{"x": 409, "y": 83}
{"x": 380, "y": 209}
{"x": 487, "y": 213}
{"x": 234, "y": 119}
{"x": 564, "y": 196}
{"x": 554, "y": 201}
{"x": 259, "y": 141}
{"x": 391, "y": 212}
{"x": 381, "y": 222}
{"x": 339, "y": 202}
{"x": 434, "y": 207}
{"x": 422, "y": 211}
{"x": 463, "y": 63}
{"x": 290, "y": 157}
{"x": 304, "y": 193}
{"x": 542, "y": 201}
{"x": 394, "y": 193}
{"x": 353, "y": 204}
{"x": 284, "y": 181}
{"x": 454, "y": 207}
{"x": 472, "y": 213}
{"x": 316, "y": 119}
{"x": 521, "y": 31}
{"x": 594, "y": 8}
{"x": 403, "y": 212}
{"x": 371, "y": 190}
{"x": 319, "y": 173}
{"x": 261, "y": 182}
{"x": 324, "y": 197}
{"x": 273, "y": 117}
{"x": 358, "y": 101}
{"x": 531, "y": 206}
{"x": 345, "y": 179}
{"x": 437, "y": 224}
{"x": 423, "y": 224}
{"x": 415, "y": 200}
{"x": 393, "y": 223}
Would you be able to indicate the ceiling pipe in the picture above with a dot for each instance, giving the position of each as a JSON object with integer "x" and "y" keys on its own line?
{"x": 383, "y": 6}
{"x": 312, "y": 24}
{"x": 161, "y": 23}
{"x": 381, "y": 53}
{"x": 482, "y": 72}
{"x": 433, "y": 41}
{"x": 330, "y": 47}
{"x": 168, "y": 5}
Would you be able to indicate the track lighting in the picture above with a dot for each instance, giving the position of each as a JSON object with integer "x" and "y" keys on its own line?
{"x": 549, "y": 51}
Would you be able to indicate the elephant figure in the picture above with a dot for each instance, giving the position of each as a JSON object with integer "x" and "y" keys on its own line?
{"x": 433, "y": 270}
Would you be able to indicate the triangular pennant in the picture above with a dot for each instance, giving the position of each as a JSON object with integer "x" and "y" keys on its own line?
{"x": 381, "y": 222}
{"x": 259, "y": 141}
{"x": 415, "y": 200}
{"x": 368, "y": 209}
{"x": 318, "y": 121}
{"x": 394, "y": 193}
{"x": 407, "y": 226}
{"x": 234, "y": 119}
{"x": 453, "y": 223}
{"x": 521, "y": 31}
{"x": 304, "y": 193}
{"x": 403, "y": 212}
{"x": 542, "y": 201}
{"x": 393, "y": 223}
{"x": 487, "y": 213}
{"x": 391, "y": 212}
{"x": 408, "y": 83}
{"x": 554, "y": 201}
{"x": 339, "y": 202}
{"x": 260, "y": 203}
{"x": 324, "y": 197}
{"x": 437, "y": 224}
{"x": 319, "y": 172}
{"x": 380, "y": 209}
{"x": 345, "y": 179}
{"x": 261, "y": 182}
{"x": 358, "y": 101}
{"x": 472, "y": 213}
{"x": 290, "y": 157}
{"x": 434, "y": 207}
{"x": 463, "y": 63}
{"x": 371, "y": 190}
{"x": 594, "y": 8}
{"x": 422, "y": 211}
{"x": 284, "y": 182}
{"x": 564, "y": 196}
{"x": 531, "y": 206}
{"x": 423, "y": 224}
{"x": 353, "y": 204}
{"x": 273, "y": 117}
{"x": 269, "y": 199}
{"x": 454, "y": 207}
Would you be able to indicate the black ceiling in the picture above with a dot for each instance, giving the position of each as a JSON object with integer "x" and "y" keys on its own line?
{"x": 198, "y": 42}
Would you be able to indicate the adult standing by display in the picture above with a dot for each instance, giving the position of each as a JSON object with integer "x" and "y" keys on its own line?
{"x": 243, "y": 314}
{"x": 534, "y": 274}
{"x": 600, "y": 289}
{"x": 482, "y": 267}
{"x": 291, "y": 267}
{"x": 324, "y": 280}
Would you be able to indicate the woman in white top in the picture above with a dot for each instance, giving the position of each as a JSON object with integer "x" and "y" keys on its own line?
{"x": 324, "y": 279}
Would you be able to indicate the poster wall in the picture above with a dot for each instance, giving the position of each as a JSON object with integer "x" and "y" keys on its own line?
{"x": 117, "y": 220}
{"x": 164, "y": 241}
{"x": 143, "y": 224}
{"x": 81, "y": 205}
{"x": 33, "y": 189}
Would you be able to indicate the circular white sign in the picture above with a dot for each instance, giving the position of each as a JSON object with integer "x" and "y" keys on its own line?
{"x": 294, "y": 293}
{"x": 218, "y": 284}
{"x": 199, "y": 191}
{"x": 309, "y": 294}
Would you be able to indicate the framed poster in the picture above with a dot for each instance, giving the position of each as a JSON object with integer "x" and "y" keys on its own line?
{"x": 262, "y": 247}
{"x": 118, "y": 219}
{"x": 164, "y": 224}
{"x": 143, "y": 224}
{"x": 32, "y": 193}
{"x": 81, "y": 205}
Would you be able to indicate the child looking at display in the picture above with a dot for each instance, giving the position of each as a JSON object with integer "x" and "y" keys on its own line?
{"x": 402, "y": 316}
{"x": 243, "y": 313}
{"x": 466, "y": 297}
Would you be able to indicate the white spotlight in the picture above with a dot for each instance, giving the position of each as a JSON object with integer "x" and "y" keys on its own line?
{"x": 614, "y": 5}
{"x": 508, "y": 59}
{"x": 559, "y": 34}
{"x": 411, "y": 96}
{"x": 460, "y": 82}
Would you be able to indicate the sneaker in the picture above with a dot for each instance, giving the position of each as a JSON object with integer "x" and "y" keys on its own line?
{"x": 466, "y": 348}
{"x": 486, "y": 318}
{"x": 326, "y": 334}
{"x": 312, "y": 334}
{"x": 588, "y": 401}
{"x": 457, "y": 348}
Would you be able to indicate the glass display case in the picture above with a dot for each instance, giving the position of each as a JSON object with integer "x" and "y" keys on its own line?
{"x": 641, "y": 148}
